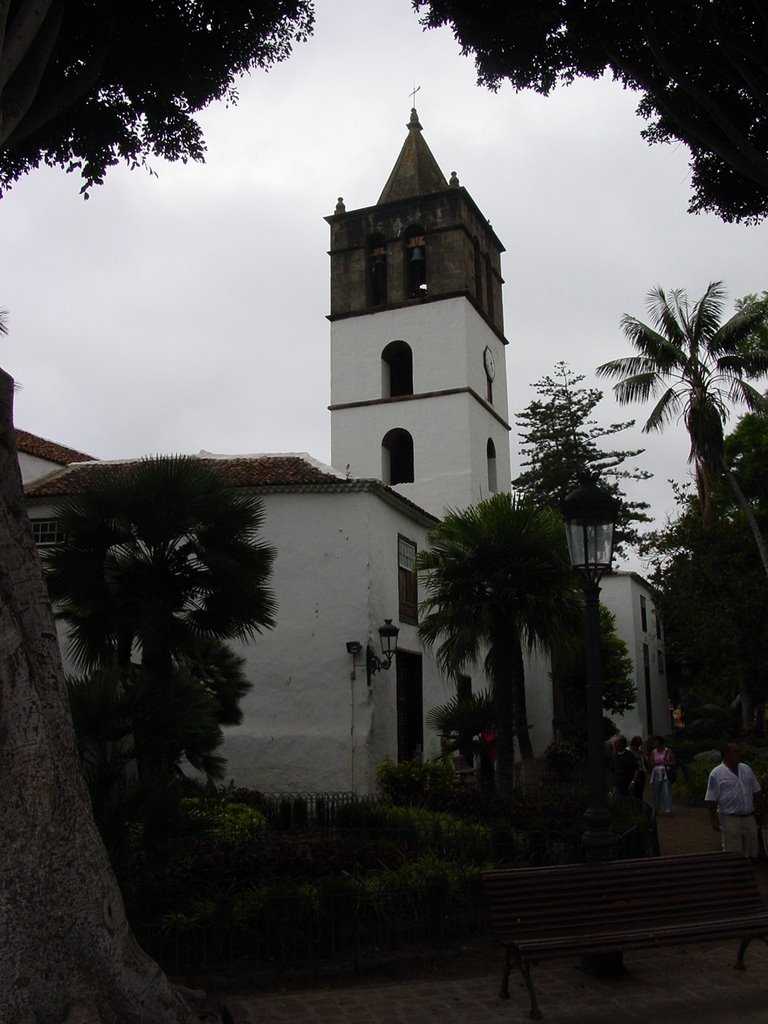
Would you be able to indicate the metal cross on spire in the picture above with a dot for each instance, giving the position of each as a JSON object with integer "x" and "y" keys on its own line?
{"x": 413, "y": 92}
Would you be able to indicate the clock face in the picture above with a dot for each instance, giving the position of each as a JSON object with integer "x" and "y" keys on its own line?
{"x": 490, "y": 363}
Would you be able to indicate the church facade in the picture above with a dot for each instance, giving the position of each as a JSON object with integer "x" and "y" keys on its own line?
{"x": 419, "y": 424}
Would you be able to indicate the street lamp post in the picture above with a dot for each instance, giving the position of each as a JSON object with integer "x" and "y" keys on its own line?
{"x": 590, "y": 517}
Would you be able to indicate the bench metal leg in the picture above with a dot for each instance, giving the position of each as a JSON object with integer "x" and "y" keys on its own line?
{"x": 525, "y": 970}
{"x": 504, "y": 990}
{"x": 740, "y": 965}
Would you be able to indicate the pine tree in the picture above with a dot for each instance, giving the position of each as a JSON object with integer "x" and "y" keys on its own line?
{"x": 558, "y": 439}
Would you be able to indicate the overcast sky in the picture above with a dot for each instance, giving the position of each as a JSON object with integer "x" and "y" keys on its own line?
{"x": 187, "y": 311}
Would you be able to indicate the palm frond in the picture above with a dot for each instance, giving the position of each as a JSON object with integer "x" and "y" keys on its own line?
{"x": 668, "y": 407}
{"x": 637, "y": 388}
{"x": 741, "y": 391}
{"x": 704, "y": 322}
{"x": 669, "y": 313}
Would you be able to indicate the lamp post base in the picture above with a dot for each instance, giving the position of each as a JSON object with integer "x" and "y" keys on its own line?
{"x": 598, "y": 840}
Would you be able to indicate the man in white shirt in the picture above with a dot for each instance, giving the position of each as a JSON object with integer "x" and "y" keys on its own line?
{"x": 731, "y": 790}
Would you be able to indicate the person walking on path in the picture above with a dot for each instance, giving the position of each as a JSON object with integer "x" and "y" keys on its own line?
{"x": 662, "y": 760}
{"x": 636, "y": 746}
{"x": 731, "y": 792}
{"x": 624, "y": 770}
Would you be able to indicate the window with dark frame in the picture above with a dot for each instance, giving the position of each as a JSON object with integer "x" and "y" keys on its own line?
{"x": 407, "y": 581}
{"x": 46, "y": 532}
{"x": 643, "y": 615}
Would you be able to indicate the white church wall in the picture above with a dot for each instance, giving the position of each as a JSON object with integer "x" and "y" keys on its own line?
{"x": 307, "y": 724}
{"x": 478, "y": 336}
{"x": 297, "y": 729}
{"x": 450, "y": 464}
{"x": 486, "y": 428}
{"x": 539, "y": 700}
{"x": 434, "y": 331}
{"x": 450, "y": 430}
{"x": 621, "y": 593}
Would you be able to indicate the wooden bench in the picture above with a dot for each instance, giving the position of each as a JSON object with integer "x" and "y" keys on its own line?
{"x": 593, "y": 909}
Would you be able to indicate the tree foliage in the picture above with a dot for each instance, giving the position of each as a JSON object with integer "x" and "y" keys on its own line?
{"x": 746, "y": 451}
{"x": 701, "y": 68}
{"x": 158, "y": 556}
{"x": 616, "y": 672}
{"x": 497, "y": 577}
{"x": 462, "y": 720}
{"x": 85, "y": 84}
{"x": 698, "y": 367}
{"x": 559, "y": 439}
{"x": 712, "y": 597}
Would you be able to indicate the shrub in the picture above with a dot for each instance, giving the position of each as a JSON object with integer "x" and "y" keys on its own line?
{"x": 691, "y": 782}
{"x": 226, "y": 820}
{"x": 406, "y": 783}
{"x": 562, "y": 758}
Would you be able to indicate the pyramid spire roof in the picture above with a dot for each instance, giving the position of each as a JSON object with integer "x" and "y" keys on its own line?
{"x": 416, "y": 172}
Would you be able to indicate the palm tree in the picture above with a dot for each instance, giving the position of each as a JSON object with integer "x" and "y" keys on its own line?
{"x": 157, "y": 555}
{"x": 497, "y": 575}
{"x": 461, "y": 720}
{"x": 698, "y": 367}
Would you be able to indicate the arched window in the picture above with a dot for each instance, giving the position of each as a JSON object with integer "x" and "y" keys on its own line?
{"x": 490, "y": 455}
{"x": 397, "y": 457}
{"x": 415, "y": 262}
{"x": 396, "y": 370}
{"x": 376, "y": 269}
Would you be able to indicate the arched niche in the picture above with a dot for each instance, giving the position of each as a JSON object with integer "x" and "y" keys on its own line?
{"x": 397, "y": 457}
{"x": 396, "y": 370}
{"x": 490, "y": 456}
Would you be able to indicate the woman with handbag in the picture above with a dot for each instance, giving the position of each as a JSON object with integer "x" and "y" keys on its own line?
{"x": 663, "y": 763}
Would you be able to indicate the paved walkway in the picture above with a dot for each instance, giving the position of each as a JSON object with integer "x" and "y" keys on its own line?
{"x": 673, "y": 985}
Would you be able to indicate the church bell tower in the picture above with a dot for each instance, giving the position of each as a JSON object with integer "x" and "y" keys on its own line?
{"x": 418, "y": 376}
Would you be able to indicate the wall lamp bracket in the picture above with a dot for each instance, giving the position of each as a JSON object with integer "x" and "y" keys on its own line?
{"x": 388, "y": 637}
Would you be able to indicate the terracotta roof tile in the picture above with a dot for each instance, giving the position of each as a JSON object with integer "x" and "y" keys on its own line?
{"x": 295, "y": 473}
{"x": 40, "y": 447}
{"x": 239, "y": 471}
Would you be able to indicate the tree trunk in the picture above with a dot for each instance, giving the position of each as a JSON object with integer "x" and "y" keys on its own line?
{"x": 508, "y": 674}
{"x": 522, "y": 732}
{"x": 66, "y": 951}
{"x": 746, "y": 508}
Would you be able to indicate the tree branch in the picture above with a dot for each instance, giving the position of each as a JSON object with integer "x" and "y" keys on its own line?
{"x": 52, "y": 98}
{"x": 19, "y": 91}
{"x": 20, "y": 35}
{"x": 755, "y": 170}
{"x": 755, "y": 166}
